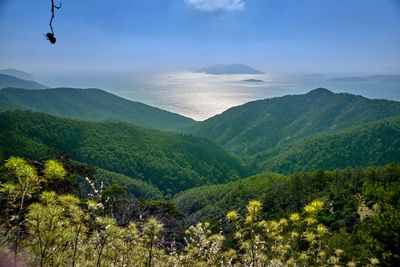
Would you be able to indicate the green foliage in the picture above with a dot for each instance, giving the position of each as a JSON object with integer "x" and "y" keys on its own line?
{"x": 134, "y": 188}
{"x": 63, "y": 230}
{"x": 20, "y": 183}
{"x": 348, "y": 216}
{"x": 165, "y": 207}
{"x": 381, "y": 234}
{"x": 91, "y": 105}
{"x": 203, "y": 247}
{"x": 299, "y": 240}
{"x": 54, "y": 224}
{"x": 210, "y": 203}
{"x": 371, "y": 144}
{"x": 171, "y": 162}
{"x": 272, "y": 132}
{"x": 364, "y": 202}
{"x": 114, "y": 190}
{"x": 151, "y": 229}
{"x": 54, "y": 170}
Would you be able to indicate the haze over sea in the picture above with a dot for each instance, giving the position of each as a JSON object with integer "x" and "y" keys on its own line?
{"x": 200, "y": 96}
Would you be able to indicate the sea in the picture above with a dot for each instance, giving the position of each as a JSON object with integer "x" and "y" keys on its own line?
{"x": 201, "y": 96}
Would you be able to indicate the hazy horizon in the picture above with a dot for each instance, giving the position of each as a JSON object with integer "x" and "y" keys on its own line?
{"x": 308, "y": 36}
{"x": 131, "y": 47}
{"x": 200, "y": 96}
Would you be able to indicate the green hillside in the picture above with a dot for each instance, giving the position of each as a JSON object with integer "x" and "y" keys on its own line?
{"x": 134, "y": 188}
{"x": 362, "y": 205}
{"x": 259, "y": 125}
{"x": 11, "y": 81}
{"x": 343, "y": 189}
{"x": 92, "y": 105}
{"x": 370, "y": 144}
{"x": 170, "y": 162}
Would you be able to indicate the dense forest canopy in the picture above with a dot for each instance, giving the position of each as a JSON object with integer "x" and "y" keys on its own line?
{"x": 92, "y": 105}
{"x": 370, "y": 144}
{"x": 170, "y": 162}
{"x": 260, "y": 125}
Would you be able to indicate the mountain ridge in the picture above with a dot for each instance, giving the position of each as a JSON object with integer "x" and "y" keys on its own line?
{"x": 92, "y": 105}
{"x": 258, "y": 125}
{"x": 11, "y": 81}
{"x": 18, "y": 74}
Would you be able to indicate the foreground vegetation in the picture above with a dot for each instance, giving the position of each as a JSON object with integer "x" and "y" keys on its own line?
{"x": 43, "y": 224}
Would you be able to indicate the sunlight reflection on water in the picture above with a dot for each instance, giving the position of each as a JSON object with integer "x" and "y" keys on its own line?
{"x": 200, "y": 96}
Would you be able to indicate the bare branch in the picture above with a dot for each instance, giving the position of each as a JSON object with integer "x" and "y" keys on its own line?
{"x": 50, "y": 36}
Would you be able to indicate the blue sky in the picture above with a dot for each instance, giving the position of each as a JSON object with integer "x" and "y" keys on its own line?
{"x": 290, "y": 36}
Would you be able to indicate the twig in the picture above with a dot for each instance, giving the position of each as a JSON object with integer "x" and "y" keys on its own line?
{"x": 52, "y": 14}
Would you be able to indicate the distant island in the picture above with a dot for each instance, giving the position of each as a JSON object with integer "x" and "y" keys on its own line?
{"x": 228, "y": 69}
{"x": 253, "y": 81}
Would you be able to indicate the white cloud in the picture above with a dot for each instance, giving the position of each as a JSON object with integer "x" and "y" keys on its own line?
{"x": 215, "y": 5}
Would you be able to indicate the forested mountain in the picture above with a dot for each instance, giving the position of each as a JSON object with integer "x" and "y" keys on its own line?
{"x": 349, "y": 216}
{"x": 345, "y": 189}
{"x": 370, "y": 144}
{"x": 93, "y": 105}
{"x": 259, "y": 125}
{"x": 170, "y": 162}
{"x": 11, "y": 81}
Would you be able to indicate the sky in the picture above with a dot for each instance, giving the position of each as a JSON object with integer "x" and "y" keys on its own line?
{"x": 288, "y": 36}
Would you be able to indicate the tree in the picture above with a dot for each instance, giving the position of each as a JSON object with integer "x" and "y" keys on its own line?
{"x": 152, "y": 229}
{"x": 21, "y": 184}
